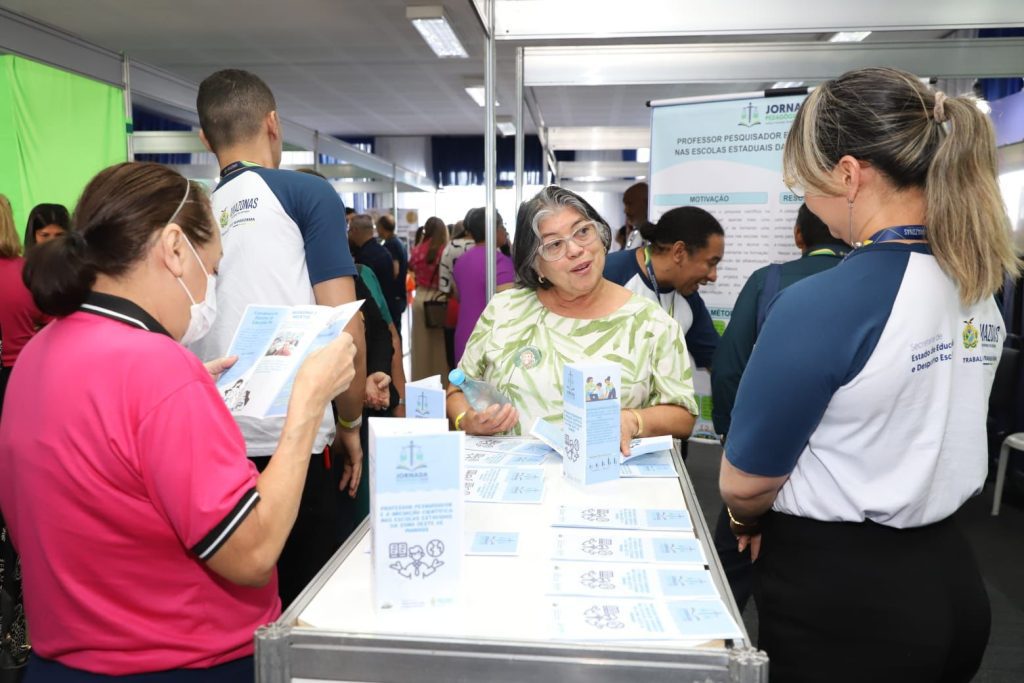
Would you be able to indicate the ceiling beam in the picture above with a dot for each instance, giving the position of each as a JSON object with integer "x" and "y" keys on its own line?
{"x": 23, "y": 36}
{"x": 611, "y": 186}
{"x": 766, "y": 62}
{"x": 599, "y": 137}
{"x": 356, "y": 163}
{"x": 602, "y": 170}
{"x": 604, "y": 20}
{"x": 343, "y": 177}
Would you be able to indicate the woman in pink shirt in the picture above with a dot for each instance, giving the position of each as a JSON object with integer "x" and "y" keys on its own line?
{"x": 19, "y": 320}
{"x": 428, "y": 356}
{"x": 19, "y": 317}
{"x": 148, "y": 540}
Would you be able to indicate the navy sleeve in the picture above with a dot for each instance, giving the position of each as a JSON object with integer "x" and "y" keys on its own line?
{"x": 819, "y": 335}
{"x": 320, "y": 214}
{"x": 620, "y": 266}
{"x": 734, "y": 351}
{"x": 702, "y": 337}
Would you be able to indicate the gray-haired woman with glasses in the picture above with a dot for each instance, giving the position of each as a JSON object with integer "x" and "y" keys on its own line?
{"x": 563, "y": 310}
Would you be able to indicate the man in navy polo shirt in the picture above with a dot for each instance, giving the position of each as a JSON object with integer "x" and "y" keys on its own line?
{"x": 367, "y": 251}
{"x": 284, "y": 243}
{"x": 400, "y": 267}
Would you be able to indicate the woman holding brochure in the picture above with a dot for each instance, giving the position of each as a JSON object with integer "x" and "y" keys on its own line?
{"x": 859, "y": 427}
{"x": 148, "y": 540}
{"x": 563, "y": 310}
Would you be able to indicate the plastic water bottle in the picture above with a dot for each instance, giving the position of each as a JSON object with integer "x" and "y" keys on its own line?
{"x": 479, "y": 394}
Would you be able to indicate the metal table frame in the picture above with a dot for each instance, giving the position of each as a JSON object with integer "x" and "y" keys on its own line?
{"x": 286, "y": 650}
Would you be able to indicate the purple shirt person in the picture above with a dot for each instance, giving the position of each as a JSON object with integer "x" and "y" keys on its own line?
{"x": 470, "y": 276}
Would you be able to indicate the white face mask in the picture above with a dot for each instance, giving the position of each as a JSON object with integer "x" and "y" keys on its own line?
{"x": 201, "y": 314}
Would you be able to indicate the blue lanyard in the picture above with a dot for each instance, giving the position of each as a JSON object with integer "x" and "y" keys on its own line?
{"x": 898, "y": 232}
{"x": 654, "y": 284}
{"x": 236, "y": 166}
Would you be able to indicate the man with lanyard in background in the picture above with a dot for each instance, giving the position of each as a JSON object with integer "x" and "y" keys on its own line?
{"x": 285, "y": 244}
{"x": 685, "y": 248}
{"x": 819, "y": 251}
{"x": 400, "y": 267}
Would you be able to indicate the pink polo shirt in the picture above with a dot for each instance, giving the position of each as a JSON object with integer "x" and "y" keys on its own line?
{"x": 19, "y": 317}
{"x": 122, "y": 468}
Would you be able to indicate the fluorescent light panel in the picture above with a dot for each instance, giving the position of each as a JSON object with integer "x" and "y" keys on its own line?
{"x": 505, "y": 125}
{"x": 477, "y": 92}
{"x": 431, "y": 22}
{"x": 787, "y": 84}
{"x": 849, "y": 36}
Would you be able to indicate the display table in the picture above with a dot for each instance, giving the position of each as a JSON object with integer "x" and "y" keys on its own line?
{"x": 332, "y": 633}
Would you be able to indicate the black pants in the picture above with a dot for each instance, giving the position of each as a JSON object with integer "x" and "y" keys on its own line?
{"x": 13, "y": 636}
{"x": 5, "y": 374}
{"x": 47, "y": 671}
{"x": 314, "y": 538}
{"x": 863, "y": 602}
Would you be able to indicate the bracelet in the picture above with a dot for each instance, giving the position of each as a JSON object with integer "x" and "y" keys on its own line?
{"x": 458, "y": 420}
{"x": 639, "y": 423}
{"x": 354, "y": 424}
{"x": 738, "y": 522}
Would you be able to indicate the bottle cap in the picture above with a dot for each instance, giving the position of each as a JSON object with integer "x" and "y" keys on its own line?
{"x": 457, "y": 377}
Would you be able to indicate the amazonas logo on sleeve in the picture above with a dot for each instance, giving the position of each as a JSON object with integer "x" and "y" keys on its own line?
{"x": 970, "y": 334}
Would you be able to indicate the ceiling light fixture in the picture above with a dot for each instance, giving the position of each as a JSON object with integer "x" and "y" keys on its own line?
{"x": 476, "y": 90}
{"x": 506, "y": 126}
{"x": 849, "y": 36}
{"x": 787, "y": 84}
{"x": 431, "y": 22}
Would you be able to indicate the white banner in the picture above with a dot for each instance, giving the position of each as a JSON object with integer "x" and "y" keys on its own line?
{"x": 725, "y": 156}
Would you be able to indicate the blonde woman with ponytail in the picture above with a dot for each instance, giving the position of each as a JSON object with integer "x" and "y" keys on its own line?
{"x": 845, "y": 489}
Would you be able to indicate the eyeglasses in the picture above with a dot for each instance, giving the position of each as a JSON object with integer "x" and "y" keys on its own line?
{"x": 555, "y": 249}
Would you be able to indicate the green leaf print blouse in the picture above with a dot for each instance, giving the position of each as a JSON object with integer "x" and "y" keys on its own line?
{"x": 520, "y": 346}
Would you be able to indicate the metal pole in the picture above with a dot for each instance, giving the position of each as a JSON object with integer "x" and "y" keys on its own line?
{"x": 544, "y": 165}
{"x": 126, "y": 77}
{"x": 316, "y": 151}
{"x": 520, "y": 133}
{"x": 394, "y": 192}
{"x": 490, "y": 152}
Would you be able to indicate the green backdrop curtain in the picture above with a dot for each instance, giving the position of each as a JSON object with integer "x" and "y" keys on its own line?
{"x": 57, "y": 130}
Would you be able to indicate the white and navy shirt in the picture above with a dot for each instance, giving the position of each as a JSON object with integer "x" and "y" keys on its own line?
{"x": 621, "y": 267}
{"x": 282, "y": 233}
{"x": 869, "y": 387}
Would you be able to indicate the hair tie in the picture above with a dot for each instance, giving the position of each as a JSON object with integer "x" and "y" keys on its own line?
{"x": 939, "y": 111}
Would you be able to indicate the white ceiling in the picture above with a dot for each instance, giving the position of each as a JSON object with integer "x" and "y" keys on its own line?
{"x": 353, "y": 67}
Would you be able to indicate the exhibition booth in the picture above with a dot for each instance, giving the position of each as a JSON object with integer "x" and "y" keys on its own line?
{"x": 520, "y": 569}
